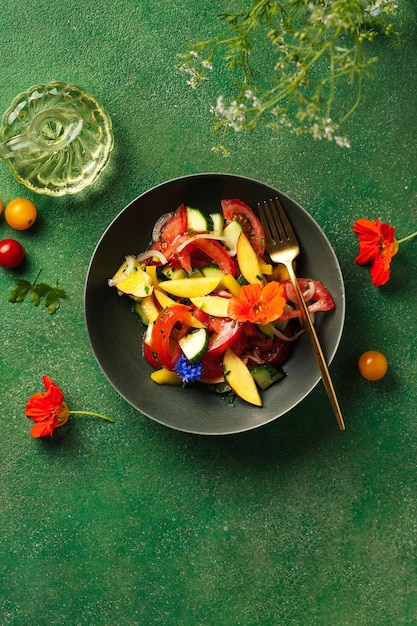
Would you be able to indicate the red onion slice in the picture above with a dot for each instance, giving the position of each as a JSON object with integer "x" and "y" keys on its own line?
{"x": 130, "y": 262}
{"x": 230, "y": 246}
{"x": 152, "y": 253}
{"x": 159, "y": 224}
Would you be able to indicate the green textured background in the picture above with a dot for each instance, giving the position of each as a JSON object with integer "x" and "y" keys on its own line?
{"x": 295, "y": 523}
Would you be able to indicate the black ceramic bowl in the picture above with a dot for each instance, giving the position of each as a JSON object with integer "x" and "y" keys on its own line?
{"x": 115, "y": 333}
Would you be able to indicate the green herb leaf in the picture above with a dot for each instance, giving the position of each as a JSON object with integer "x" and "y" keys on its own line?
{"x": 34, "y": 297}
{"x": 52, "y": 299}
{"x": 37, "y": 292}
{"x": 19, "y": 292}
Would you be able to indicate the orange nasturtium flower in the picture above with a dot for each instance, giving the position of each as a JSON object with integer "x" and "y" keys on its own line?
{"x": 49, "y": 410}
{"x": 256, "y": 304}
{"x": 377, "y": 246}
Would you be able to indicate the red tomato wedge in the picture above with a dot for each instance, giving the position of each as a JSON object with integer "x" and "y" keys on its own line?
{"x": 272, "y": 350}
{"x": 167, "y": 351}
{"x": 225, "y": 338}
{"x": 238, "y": 211}
{"x": 149, "y": 356}
{"x": 213, "y": 324}
{"x": 212, "y": 370}
{"x": 176, "y": 226}
{"x": 172, "y": 233}
{"x": 212, "y": 249}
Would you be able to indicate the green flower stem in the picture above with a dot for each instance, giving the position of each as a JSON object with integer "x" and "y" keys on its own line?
{"x": 316, "y": 45}
{"x": 103, "y": 417}
{"x": 37, "y": 277}
{"x": 406, "y": 238}
{"x": 279, "y": 93}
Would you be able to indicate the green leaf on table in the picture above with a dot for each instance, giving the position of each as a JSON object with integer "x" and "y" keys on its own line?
{"x": 52, "y": 299}
{"x": 19, "y": 292}
{"x": 38, "y": 292}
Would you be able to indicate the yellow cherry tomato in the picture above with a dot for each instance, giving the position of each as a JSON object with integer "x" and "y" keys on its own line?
{"x": 20, "y": 213}
{"x": 1, "y": 206}
{"x": 373, "y": 365}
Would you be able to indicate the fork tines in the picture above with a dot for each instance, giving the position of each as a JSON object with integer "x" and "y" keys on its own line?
{"x": 275, "y": 221}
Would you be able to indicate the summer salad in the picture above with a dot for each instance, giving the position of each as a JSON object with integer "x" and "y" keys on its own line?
{"x": 216, "y": 311}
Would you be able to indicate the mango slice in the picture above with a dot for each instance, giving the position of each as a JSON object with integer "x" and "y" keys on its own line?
{"x": 149, "y": 308}
{"x": 166, "y": 377}
{"x": 164, "y": 300}
{"x": 230, "y": 283}
{"x": 151, "y": 271}
{"x": 212, "y": 305}
{"x": 190, "y": 287}
{"x": 240, "y": 379}
{"x": 248, "y": 261}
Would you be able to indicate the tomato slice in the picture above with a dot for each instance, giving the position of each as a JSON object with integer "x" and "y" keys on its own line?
{"x": 318, "y": 298}
{"x": 228, "y": 334}
{"x": 238, "y": 211}
{"x": 212, "y": 249}
{"x": 164, "y": 345}
{"x": 176, "y": 226}
{"x": 231, "y": 334}
{"x": 150, "y": 357}
{"x": 213, "y": 324}
{"x": 212, "y": 370}
{"x": 272, "y": 350}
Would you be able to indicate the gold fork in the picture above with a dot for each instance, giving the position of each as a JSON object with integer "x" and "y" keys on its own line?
{"x": 282, "y": 246}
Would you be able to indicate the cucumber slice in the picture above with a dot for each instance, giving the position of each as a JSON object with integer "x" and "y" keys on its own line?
{"x": 281, "y": 325}
{"x": 171, "y": 273}
{"x": 146, "y": 310}
{"x": 266, "y": 329}
{"x": 266, "y": 375}
{"x": 232, "y": 232}
{"x": 194, "y": 345}
{"x": 197, "y": 221}
{"x": 218, "y": 222}
{"x": 195, "y": 273}
{"x": 141, "y": 313}
{"x": 212, "y": 270}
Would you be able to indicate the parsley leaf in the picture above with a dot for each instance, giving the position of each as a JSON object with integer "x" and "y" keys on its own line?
{"x": 52, "y": 299}
{"x": 38, "y": 292}
{"x": 19, "y": 292}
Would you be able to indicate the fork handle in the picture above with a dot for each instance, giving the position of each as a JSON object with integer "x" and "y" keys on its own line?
{"x": 317, "y": 350}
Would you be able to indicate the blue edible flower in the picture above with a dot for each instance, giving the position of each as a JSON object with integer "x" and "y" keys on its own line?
{"x": 187, "y": 371}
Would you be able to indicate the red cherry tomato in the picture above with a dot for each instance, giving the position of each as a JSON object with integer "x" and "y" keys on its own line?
{"x": 11, "y": 253}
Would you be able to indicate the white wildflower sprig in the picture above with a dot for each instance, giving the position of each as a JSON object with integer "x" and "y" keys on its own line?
{"x": 316, "y": 46}
{"x": 194, "y": 67}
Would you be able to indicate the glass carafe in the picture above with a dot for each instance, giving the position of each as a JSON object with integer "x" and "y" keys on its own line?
{"x": 56, "y": 138}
